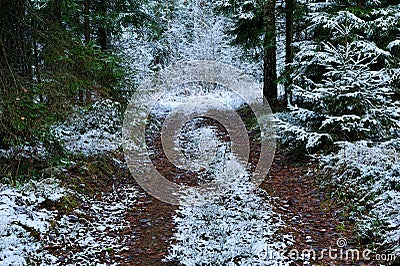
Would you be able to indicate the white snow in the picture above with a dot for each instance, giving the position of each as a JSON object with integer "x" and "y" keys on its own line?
{"x": 22, "y": 218}
{"x": 35, "y": 150}
{"x": 84, "y": 233}
{"x": 93, "y": 131}
{"x": 94, "y": 228}
{"x": 371, "y": 173}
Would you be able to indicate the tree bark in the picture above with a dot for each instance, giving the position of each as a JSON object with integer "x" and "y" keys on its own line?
{"x": 289, "y": 39}
{"x": 86, "y": 22}
{"x": 15, "y": 39}
{"x": 102, "y": 30}
{"x": 270, "y": 89}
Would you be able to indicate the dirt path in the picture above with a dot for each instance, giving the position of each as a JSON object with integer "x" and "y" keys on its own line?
{"x": 315, "y": 221}
{"x": 151, "y": 222}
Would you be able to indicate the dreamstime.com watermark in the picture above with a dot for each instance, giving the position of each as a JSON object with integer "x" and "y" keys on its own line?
{"x": 338, "y": 253}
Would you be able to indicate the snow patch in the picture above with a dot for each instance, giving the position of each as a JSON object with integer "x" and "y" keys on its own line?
{"x": 23, "y": 221}
{"x": 371, "y": 174}
{"x": 93, "y": 131}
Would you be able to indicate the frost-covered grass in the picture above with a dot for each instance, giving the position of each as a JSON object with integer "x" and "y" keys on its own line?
{"x": 367, "y": 176}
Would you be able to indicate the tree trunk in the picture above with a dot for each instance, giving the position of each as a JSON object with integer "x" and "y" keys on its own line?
{"x": 102, "y": 34}
{"x": 15, "y": 39}
{"x": 102, "y": 38}
{"x": 289, "y": 40}
{"x": 270, "y": 89}
{"x": 86, "y": 22}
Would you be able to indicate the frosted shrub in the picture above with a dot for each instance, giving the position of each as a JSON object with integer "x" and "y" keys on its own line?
{"x": 92, "y": 131}
{"x": 351, "y": 101}
{"x": 296, "y": 135}
{"x": 368, "y": 176}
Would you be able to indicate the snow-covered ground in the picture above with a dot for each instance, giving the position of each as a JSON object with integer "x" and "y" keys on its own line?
{"x": 22, "y": 222}
{"x": 236, "y": 228}
{"x": 33, "y": 151}
{"x": 239, "y": 227}
{"x": 28, "y": 230}
{"x": 235, "y": 223}
{"x": 94, "y": 228}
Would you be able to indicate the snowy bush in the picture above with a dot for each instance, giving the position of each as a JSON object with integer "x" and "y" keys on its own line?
{"x": 344, "y": 82}
{"x": 367, "y": 175}
{"x": 351, "y": 101}
{"x": 345, "y": 86}
{"x": 296, "y": 135}
{"x": 92, "y": 131}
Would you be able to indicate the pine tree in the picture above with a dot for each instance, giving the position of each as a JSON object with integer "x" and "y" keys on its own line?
{"x": 49, "y": 63}
{"x": 344, "y": 81}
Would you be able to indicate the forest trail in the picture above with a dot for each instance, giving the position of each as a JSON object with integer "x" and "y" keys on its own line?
{"x": 310, "y": 217}
{"x": 297, "y": 207}
{"x": 292, "y": 189}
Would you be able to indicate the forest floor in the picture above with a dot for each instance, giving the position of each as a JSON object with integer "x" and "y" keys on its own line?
{"x": 311, "y": 217}
{"x": 147, "y": 225}
{"x": 107, "y": 218}
{"x": 314, "y": 220}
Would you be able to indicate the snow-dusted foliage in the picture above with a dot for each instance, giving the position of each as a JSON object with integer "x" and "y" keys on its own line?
{"x": 197, "y": 33}
{"x": 345, "y": 90}
{"x": 190, "y": 30}
{"x": 354, "y": 101}
{"x": 295, "y": 132}
{"x": 343, "y": 87}
{"x": 92, "y": 131}
{"x": 35, "y": 151}
{"x": 23, "y": 222}
{"x": 337, "y": 81}
{"x": 368, "y": 176}
{"x": 138, "y": 55}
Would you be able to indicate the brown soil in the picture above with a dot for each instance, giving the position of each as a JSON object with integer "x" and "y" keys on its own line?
{"x": 315, "y": 221}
